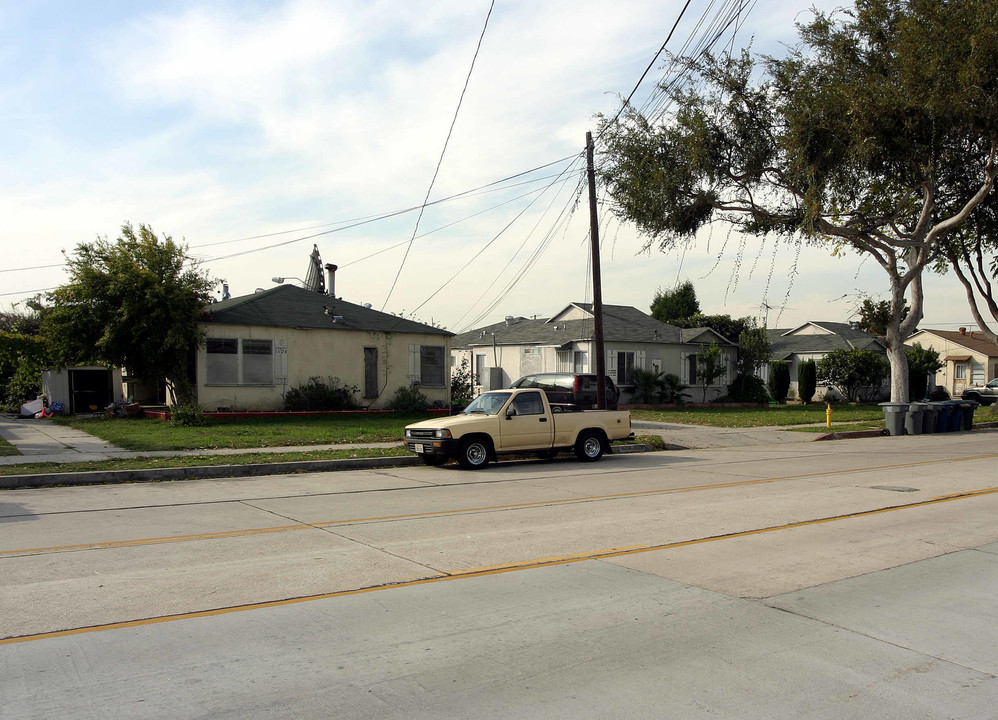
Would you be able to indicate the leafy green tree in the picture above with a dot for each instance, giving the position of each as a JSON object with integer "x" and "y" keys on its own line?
{"x": 779, "y": 380}
{"x": 134, "y": 303}
{"x": 709, "y": 367}
{"x": 461, "y": 385}
{"x": 875, "y": 316}
{"x": 730, "y": 328}
{"x": 853, "y": 371}
{"x": 675, "y": 306}
{"x": 877, "y": 135}
{"x": 922, "y": 362}
{"x": 807, "y": 380}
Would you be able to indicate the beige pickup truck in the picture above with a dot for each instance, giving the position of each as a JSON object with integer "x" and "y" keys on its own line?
{"x": 515, "y": 421}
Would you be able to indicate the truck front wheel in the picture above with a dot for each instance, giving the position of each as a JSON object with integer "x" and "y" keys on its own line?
{"x": 474, "y": 454}
{"x": 589, "y": 446}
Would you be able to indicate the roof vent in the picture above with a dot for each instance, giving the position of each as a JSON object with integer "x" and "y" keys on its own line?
{"x": 963, "y": 331}
{"x": 854, "y": 325}
{"x": 509, "y": 319}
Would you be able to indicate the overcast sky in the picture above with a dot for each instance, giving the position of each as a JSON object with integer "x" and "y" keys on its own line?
{"x": 220, "y": 122}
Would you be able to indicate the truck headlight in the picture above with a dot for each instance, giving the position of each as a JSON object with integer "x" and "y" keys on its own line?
{"x": 443, "y": 434}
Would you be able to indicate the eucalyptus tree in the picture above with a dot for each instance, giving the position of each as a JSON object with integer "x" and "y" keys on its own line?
{"x": 876, "y": 134}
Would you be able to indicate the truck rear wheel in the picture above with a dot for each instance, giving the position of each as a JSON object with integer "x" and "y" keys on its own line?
{"x": 474, "y": 454}
{"x": 589, "y": 446}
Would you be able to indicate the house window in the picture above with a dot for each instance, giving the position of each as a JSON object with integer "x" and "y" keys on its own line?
{"x": 625, "y": 368}
{"x": 427, "y": 364}
{"x": 961, "y": 371}
{"x": 692, "y": 369}
{"x": 564, "y": 361}
{"x": 580, "y": 362}
{"x": 231, "y": 361}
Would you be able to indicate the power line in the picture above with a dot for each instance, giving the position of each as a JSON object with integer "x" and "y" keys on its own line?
{"x": 440, "y": 161}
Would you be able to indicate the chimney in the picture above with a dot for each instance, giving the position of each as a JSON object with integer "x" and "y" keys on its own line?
{"x": 331, "y": 280}
{"x": 963, "y": 331}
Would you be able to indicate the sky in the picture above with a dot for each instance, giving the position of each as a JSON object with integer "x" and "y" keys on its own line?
{"x": 252, "y": 130}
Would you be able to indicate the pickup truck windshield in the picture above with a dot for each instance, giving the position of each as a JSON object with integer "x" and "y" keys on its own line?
{"x": 487, "y": 404}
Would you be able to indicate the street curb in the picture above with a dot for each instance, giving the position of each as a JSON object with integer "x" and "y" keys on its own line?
{"x": 208, "y": 472}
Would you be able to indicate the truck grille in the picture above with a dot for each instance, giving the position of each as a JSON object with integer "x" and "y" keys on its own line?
{"x": 427, "y": 434}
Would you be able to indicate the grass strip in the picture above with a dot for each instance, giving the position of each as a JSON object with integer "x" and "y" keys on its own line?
{"x": 145, "y": 463}
{"x": 7, "y": 449}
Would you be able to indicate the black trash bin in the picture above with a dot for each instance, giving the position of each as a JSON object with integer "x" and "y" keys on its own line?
{"x": 967, "y": 408}
{"x": 930, "y": 418}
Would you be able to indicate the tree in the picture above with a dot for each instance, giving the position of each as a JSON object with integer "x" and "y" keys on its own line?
{"x": 674, "y": 306}
{"x": 134, "y": 303}
{"x": 852, "y": 371}
{"x": 922, "y": 362}
{"x": 807, "y": 380}
{"x": 878, "y": 135}
{"x": 779, "y": 380}
{"x": 461, "y": 385}
{"x": 874, "y": 317}
{"x": 709, "y": 367}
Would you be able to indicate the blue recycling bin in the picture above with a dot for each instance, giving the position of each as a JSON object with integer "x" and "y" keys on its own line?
{"x": 954, "y": 420}
{"x": 944, "y": 413}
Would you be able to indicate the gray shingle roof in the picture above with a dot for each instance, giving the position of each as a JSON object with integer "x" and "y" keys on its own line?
{"x": 621, "y": 323}
{"x": 295, "y": 307}
{"x": 842, "y": 337}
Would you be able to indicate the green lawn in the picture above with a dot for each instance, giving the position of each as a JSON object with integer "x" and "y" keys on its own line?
{"x": 148, "y": 434}
{"x": 774, "y": 415}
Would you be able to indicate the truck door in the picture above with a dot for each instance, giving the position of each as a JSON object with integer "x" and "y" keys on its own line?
{"x": 527, "y": 427}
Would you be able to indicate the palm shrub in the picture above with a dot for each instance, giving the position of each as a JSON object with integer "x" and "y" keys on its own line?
{"x": 673, "y": 390}
{"x": 807, "y": 380}
{"x": 647, "y": 386}
{"x": 779, "y": 380}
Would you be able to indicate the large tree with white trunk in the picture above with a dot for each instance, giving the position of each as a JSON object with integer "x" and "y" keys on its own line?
{"x": 876, "y": 134}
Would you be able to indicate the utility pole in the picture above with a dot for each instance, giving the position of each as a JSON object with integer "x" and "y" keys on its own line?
{"x": 597, "y": 286}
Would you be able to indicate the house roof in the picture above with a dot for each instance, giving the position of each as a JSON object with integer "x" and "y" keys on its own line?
{"x": 295, "y": 307}
{"x": 821, "y": 337}
{"x": 971, "y": 340}
{"x": 621, "y": 323}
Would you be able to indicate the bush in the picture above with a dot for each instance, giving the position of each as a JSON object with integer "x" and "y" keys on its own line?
{"x": 673, "y": 390}
{"x": 939, "y": 393}
{"x": 320, "y": 394}
{"x": 922, "y": 362}
{"x": 807, "y": 380}
{"x": 647, "y": 386}
{"x": 854, "y": 373}
{"x": 409, "y": 399}
{"x": 461, "y": 389}
{"x": 779, "y": 380}
{"x": 746, "y": 388}
{"x": 188, "y": 416}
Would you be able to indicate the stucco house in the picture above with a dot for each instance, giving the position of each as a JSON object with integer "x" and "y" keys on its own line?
{"x": 499, "y": 354}
{"x": 968, "y": 357}
{"x": 260, "y": 345}
{"x": 813, "y": 340}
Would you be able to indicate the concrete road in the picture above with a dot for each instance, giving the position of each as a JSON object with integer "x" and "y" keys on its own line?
{"x": 848, "y": 579}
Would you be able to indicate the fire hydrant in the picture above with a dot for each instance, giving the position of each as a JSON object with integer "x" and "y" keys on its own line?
{"x": 828, "y": 415}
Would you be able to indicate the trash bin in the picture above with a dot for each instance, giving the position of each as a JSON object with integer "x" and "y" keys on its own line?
{"x": 954, "y": 416}
{"x": 967, "y": 416}
{"x": 913, "y": 419}
{"x": 894, "y": 417}
{"x": 930, "y": 418}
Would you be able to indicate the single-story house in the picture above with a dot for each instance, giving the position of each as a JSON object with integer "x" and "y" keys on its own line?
{"x": 969, "y": 358}
{"x": 260, "y": 345}
{"x": 812, "y": 341}
{"x": 501, "y": 353}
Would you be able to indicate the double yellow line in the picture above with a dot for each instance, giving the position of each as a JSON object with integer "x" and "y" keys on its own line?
{"x": 496, "y": 569}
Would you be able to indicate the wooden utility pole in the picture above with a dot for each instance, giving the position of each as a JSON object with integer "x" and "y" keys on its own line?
{"x": 597, "y": 286}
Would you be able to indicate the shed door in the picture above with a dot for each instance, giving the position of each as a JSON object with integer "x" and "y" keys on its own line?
{"x": 89, "y": 390}
{"x": 371, "y": 372}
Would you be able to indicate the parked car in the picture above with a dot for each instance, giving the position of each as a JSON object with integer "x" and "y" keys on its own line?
{"x": 570, "y": 391}
{"x": 983, "y": 394}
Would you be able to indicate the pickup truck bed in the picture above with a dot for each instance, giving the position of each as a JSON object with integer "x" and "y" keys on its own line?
{"x": 515, "y": 421}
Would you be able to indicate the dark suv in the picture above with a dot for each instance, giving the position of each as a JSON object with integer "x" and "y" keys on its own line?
{"x": 570, "y": 391}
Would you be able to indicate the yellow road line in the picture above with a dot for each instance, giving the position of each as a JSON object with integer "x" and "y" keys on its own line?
{"x": 493, "y": 570}
{"x": 225, "y": 534}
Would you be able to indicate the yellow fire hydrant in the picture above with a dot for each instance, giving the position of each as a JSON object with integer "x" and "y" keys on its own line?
{"x": 828, "y": 415}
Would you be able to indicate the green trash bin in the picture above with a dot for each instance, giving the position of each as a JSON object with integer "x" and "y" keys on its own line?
{"x": 967, "y": 408}
{"x": 894, "y": 414}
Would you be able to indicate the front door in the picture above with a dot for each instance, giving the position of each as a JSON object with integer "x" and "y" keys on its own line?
{"x": 371, "y": 372}
{"x": 527, "y": 427}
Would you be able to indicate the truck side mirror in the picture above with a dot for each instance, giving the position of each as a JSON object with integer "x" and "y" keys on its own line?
{"x": 510, "y": 412}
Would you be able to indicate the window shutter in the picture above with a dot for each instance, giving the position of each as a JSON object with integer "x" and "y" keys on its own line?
{"x": 281, "y": 361}
{"x": 414, "y": 363}
{"x": 611, "y": 365}
{"x": 684, "y": 368}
